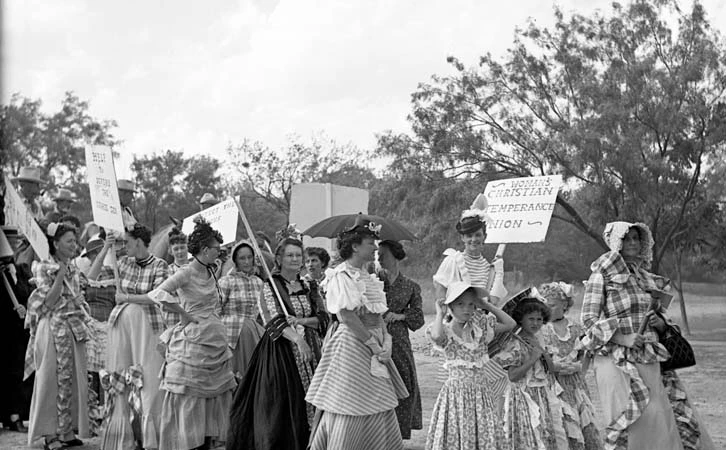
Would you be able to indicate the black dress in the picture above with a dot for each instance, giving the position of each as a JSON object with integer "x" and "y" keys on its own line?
{"x": 15, "y": 394}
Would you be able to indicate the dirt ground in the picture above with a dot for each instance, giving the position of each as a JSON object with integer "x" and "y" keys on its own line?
{"x": 706, "y": 382}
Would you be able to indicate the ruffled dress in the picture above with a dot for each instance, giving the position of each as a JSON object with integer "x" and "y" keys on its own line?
{"x": 465, "y": 415}
{"x": 355, "y": 393}
{"x": 533, "y": 409}
{"x": 580, "y": 425}
{"x": 197, "y": 379}
{"x": 634, "y": 401}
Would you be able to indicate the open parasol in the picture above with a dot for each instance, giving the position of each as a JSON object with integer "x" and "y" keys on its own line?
{"x": 333, "y": 226}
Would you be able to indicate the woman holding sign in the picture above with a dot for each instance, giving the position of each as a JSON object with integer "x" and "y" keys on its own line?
{"x": 56, "y": 351}
{"x": 132, "y": 356}
{"x": 616, "y": 312}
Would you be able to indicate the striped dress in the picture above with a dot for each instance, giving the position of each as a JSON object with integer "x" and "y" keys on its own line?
{"x": 355, "y": 393}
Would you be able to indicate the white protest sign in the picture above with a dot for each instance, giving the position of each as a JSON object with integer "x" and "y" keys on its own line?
{"x": 16, "y": 213}
{"x": 520, "y": 208}
{"x": 104, "y": 191}
{"x": 222, "y": 217}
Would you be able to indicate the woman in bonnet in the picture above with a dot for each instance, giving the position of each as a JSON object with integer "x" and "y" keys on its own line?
{"x": 616, "y": 314}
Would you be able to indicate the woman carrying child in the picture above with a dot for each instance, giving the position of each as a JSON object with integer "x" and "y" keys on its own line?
{"x": 465, "y": 415}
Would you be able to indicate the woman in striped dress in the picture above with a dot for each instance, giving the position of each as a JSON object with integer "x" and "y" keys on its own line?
{"x": 241, "y": 289}
{"x": 356, "y": 386}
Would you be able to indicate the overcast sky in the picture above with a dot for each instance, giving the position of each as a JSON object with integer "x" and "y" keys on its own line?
{"x": 195, "y": 75}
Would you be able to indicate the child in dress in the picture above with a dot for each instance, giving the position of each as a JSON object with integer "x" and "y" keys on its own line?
{"x": 562, "y": 336}
{"x": 465, "y": 416}
{"x": 533, "y": 411}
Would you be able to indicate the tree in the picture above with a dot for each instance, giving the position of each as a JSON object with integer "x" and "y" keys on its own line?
{"x": 270, "y": 174}
{"x": 171, "y": 184}
{"x": 625, "y": 107}
{"x": 54, "y": 142}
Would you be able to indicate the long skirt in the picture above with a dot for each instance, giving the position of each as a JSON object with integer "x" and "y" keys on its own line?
{"x": 656, "y": 427}
{"x": 373, "y": 432}
{"x": 577, "y": 397}
{"x": 355, "y": 404}
{"x": 197, "y": 384}
{"x": 133, "y": 343}
{"x": 691, "y": 426}
{"x": 464, "y": 415}
{"x": 44, "y": 407}
{"x": 268, "y": 411}
{"x": 408, "y": 411}
{"x": 249, "y": 336}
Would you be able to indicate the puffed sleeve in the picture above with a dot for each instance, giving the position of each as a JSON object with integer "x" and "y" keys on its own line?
{"x": 166, "y": 290}
{"x": 343, "y": 291}
{"x": 44, "y": 274}
{"x": 448, "y": 269}
{"x": 511, "y": 356}
{"x": 598, "y": 331}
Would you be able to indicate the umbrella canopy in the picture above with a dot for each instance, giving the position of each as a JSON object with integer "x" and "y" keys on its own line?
{"x": 333, "y": 226}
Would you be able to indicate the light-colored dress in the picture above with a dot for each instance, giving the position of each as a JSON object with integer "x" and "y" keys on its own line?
{"x": 238, "y": 311}
{"x": 197, "y": 379}
{"x": 133, "y": 360}
{"x": 355, "y": 393}
{"x": 533, "y": 410}
{"x": 465, "y": 415}
{"x": 57, "y": 354}
{"x": 580, "y": 425}
{"x": 635, "y": 403}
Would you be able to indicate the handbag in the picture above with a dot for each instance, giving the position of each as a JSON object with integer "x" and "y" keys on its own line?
{"x": 679, "y": 349}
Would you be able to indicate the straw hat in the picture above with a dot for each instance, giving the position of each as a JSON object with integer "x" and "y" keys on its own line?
{"x": 64, "y": 194}
{"x": 30, "y": 174}
{"x": 126, "y": 185}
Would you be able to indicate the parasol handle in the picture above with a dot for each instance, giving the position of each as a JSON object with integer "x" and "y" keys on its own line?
{"x": 256, "y": 247}
{"x": 12, "y": 296}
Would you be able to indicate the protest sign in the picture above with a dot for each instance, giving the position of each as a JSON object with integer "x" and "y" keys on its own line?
{"x": 312, "y": 202}
{"x": 520, "y": 208}
{"x": 222, "y": 217}
{"x": 16, "y": 213}
{"x": 104, "y": 191}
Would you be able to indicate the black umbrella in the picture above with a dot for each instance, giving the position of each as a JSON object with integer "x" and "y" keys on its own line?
{"x": 333, "y": 226}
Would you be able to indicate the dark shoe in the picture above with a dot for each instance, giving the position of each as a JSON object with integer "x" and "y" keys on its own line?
{"x": 17, "y": 426}
{"x": 53, "y": 444}
{"x": 72, "y": 443}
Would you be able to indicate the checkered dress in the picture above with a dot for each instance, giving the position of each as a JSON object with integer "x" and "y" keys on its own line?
{"x": 616, "y": 299}
{"x": 240, "y": 294}
{"x": 141, "y": 278}
{"x": 66, "y": 315}
{"x": 172, "y": 318}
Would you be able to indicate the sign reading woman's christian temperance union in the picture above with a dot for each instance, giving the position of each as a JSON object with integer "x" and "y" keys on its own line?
{"x": 520, "y": 208}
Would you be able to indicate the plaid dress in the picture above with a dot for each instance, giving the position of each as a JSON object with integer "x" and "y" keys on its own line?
{"x": 140, "y": 278}
{"x": 66, "y": 323}
{"x": 616, "y": 299}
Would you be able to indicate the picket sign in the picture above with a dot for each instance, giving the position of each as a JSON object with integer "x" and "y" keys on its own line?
{"x": 222, "y": 217}
{"x": 520, "y": 208}
{"x": 18, "y": 214}
{"x": 104, "y": 190}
